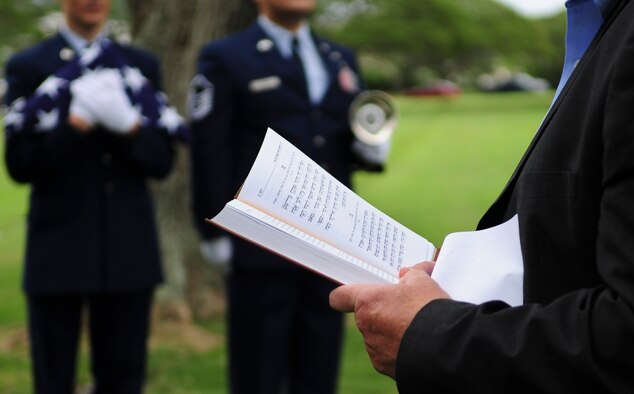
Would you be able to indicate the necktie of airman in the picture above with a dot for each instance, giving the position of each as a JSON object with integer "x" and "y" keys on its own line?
{"x": 298, "y": 66}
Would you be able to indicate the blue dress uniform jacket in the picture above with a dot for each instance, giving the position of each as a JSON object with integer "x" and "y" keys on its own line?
{"x": 245, "y": 86}
{"x": 574, "y": 194}
{"x": 91, "y": 221}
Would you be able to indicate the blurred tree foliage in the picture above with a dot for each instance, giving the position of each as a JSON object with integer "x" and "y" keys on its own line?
{"x": 19, "y": 21}
{"x": 407, "y": 42}
{"x": 25, "y": 22}
{"x": 401, "y": 42}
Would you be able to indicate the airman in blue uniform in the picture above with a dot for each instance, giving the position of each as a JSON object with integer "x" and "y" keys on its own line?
{"x": 283, "y": 337}
{"x": 87, "y": 128}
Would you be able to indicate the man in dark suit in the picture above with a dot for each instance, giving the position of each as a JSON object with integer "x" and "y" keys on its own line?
{"x": 87, "y": 128}
{"x": 574, "y": 195}
{"x": 282, "y": 335}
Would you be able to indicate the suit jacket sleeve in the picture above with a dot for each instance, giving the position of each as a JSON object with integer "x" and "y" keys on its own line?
{"x": 579, "y": 342}
{"x": 212, "y": 152}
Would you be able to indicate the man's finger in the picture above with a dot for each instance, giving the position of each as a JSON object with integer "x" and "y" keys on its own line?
{"x": 427, "y": 266}
{"x": 344, "y": 298}
{"x": 416, "y": 274}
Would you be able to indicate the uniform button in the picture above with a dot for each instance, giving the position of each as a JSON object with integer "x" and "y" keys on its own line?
{"x": 316, "y": 114}
{"x": 106, "y": 159}
{"x": 264, "y": 45}
{"x": 108, "y": 187}
{"x": 319, "y": 141}
{"x": 66, "y": 54}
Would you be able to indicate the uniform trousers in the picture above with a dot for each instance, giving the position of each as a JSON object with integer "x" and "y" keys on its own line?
{"x": 283, "y": 335}
{"x": 118, "y": 326}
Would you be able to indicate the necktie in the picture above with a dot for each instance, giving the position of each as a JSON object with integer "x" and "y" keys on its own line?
{"x": 295, "y": 49}
{"x": 298, "y": 65}
{"x": 584, "y": 20}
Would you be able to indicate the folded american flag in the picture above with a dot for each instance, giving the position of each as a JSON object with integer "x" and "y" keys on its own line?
{"x": 46, "y": 110}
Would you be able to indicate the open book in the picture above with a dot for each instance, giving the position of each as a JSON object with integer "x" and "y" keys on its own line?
{"x": 291, "y": 206}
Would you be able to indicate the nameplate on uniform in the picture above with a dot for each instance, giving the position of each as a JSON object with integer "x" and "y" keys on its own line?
{"x": 265, "y": 84}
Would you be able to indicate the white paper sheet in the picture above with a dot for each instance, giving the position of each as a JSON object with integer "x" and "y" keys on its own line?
{"x": 485, "y": 265}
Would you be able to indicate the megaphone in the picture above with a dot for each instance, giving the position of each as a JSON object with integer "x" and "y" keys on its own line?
{"x": 373, "y": 117}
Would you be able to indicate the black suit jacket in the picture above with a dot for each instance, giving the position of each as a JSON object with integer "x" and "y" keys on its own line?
{"x": 252, "y": 87}
{"x": 574, "y": 193}
{"x": 91, "y": 218}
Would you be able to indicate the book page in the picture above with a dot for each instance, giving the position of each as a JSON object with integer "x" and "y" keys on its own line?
{"x": 281, "y": 238}
{"x": 287, "y": 184}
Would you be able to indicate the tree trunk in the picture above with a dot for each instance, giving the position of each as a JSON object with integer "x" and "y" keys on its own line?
{"x": 175, "y": 31}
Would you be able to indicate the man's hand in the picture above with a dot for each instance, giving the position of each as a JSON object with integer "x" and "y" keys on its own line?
{"x": 384, "y": 312}
{"x": 99, "y": 98}
{"x": 82, "y": 112}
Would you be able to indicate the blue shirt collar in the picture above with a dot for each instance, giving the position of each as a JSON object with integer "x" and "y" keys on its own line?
{"x": 75, "y": 40}
{"x": 281, "y": 37}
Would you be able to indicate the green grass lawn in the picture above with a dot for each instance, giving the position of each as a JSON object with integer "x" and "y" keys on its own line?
{"x": 14, "y": 372}
{"x": 450, "y": 160}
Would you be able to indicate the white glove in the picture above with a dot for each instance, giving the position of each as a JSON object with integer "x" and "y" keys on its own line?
{"x": 217, "y": 252}
{"x": 99, "y": 98}
{"x": 373, "y": 154}
{"x": 79, "y": 106}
